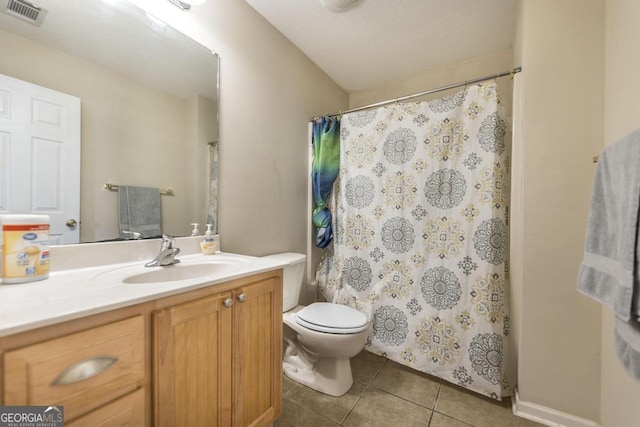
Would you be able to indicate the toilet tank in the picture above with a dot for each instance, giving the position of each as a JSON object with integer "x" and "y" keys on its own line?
{"x": 292, "y": 274}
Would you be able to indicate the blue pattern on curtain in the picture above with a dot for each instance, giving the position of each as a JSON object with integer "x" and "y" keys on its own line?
{"x": 421, "y": 236}
{"x": 324, "y": 170}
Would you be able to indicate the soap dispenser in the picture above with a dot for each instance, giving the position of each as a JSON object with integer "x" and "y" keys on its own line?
{"x": 209, "y": 243}
{"x": 195, "y": 231}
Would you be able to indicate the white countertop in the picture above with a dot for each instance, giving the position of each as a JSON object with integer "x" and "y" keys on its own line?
{"x": 75, "y": 293}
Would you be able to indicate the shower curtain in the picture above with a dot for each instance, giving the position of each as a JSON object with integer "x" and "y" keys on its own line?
{"x": 324, "y": 171}
{"x": 421, "y": 238}
{"x": 214, "y": 167}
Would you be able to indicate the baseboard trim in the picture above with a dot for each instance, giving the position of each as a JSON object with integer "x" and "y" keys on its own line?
{"x": 547, "y": 416}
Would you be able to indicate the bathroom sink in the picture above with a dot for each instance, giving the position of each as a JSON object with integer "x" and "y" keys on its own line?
{"x": 182, "y": 272}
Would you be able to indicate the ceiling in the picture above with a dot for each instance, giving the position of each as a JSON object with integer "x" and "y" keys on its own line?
{"x": 379, "y": 41}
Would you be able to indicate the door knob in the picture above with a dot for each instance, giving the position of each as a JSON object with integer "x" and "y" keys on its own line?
{"x": 71, "y": 223}
{"x": 242, "y": 297}
{"x": 228, "y": 302}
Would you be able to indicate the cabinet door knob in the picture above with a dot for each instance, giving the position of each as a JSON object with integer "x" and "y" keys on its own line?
{"x": 242, "y": 297}
{"x": 228, "y": 302}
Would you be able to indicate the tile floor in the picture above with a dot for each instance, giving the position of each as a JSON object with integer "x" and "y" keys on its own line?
{"x": 387, "y": 394}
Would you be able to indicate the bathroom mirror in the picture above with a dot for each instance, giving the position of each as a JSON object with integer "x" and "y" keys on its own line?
{"x": 149, "y": 104}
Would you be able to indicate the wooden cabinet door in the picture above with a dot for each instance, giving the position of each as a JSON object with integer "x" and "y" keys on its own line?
{"x": 257, "y": 353}
{"x": 192, "y": 363}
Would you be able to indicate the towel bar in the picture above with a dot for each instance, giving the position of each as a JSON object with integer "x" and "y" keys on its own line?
{"x": 116, "y": 187}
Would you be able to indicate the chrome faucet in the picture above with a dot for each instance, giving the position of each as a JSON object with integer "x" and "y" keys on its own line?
{"x": 166, "y": 255}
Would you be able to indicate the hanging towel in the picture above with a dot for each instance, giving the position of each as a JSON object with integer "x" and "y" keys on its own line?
{"x": 139, "y": 210}
{"x": 609, "y": 269}
{"x": 627, "y": 341}
{"x": 324, "y": 171}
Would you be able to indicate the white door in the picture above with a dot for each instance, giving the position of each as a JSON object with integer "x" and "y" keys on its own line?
{"x": 40, "y": 155}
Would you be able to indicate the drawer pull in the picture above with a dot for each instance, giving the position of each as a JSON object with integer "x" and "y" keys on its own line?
{"x": 84, "y": 369}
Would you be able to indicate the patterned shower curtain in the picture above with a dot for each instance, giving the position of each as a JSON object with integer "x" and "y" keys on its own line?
{"x": 324, "y": 171}
{"x": 421, "y": 236}
{"x": 214, "y": 167}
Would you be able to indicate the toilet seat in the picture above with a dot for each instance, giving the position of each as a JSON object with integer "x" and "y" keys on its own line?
{"x": 331, "y": 318}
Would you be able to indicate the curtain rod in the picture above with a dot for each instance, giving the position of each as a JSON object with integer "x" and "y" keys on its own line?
{"x": 415, "y": 95}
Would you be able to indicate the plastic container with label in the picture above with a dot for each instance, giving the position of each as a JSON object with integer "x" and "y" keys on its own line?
{"x": 24, "y": 248}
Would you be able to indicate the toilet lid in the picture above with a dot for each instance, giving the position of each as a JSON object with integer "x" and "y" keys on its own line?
{"x": 332, "y": 318}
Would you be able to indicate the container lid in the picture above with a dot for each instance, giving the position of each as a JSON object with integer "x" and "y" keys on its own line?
{"x": 332, "y": 318}
{"x": 24, "y": 219}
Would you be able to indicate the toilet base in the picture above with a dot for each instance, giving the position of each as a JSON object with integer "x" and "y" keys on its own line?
{"x": 327, "y": 375}
{"x": 319, "y": 360}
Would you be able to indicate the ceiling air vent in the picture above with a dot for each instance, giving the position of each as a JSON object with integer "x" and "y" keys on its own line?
{"x": 24, "y": 10}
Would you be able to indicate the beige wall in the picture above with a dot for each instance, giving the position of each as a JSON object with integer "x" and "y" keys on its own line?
{"x": 559, "y": 128}
{"x": 620, "y": 394}
{"x": 130, "y": 135}
{"x": 269, "y": 91}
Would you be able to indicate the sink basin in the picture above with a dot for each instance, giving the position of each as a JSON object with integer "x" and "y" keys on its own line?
{"x": 182, "y": 272}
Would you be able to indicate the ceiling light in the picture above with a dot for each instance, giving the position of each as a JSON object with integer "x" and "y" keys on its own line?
{"x": 339, "y": 5}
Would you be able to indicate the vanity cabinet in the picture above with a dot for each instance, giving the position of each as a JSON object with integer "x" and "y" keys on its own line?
{"x": 81, "y": 371}
{"x": 127, "y": 411}
{"x": 205, "y": 357}
{"x": 217, "y": 359}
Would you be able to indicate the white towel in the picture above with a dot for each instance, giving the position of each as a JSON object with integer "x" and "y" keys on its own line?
{"x": 139, "y": 210}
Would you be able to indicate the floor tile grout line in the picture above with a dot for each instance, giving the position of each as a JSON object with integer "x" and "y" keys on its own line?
{"x": 442, "y": 383}
{"x": 318, "y": 413}
{"x": 430, "y": 377}
{"x": 435, "y": 403}
{"x": 373, "y": 378}
{"x": 453, "y": 418}
{"x": 364, "y": 390}
{"x": 430, "y": 418}
{"x": 369, "y": 385}
{"x": 403, "y": 398}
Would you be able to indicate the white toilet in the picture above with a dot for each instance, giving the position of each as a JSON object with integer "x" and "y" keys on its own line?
{"x": 319, "y": 338}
